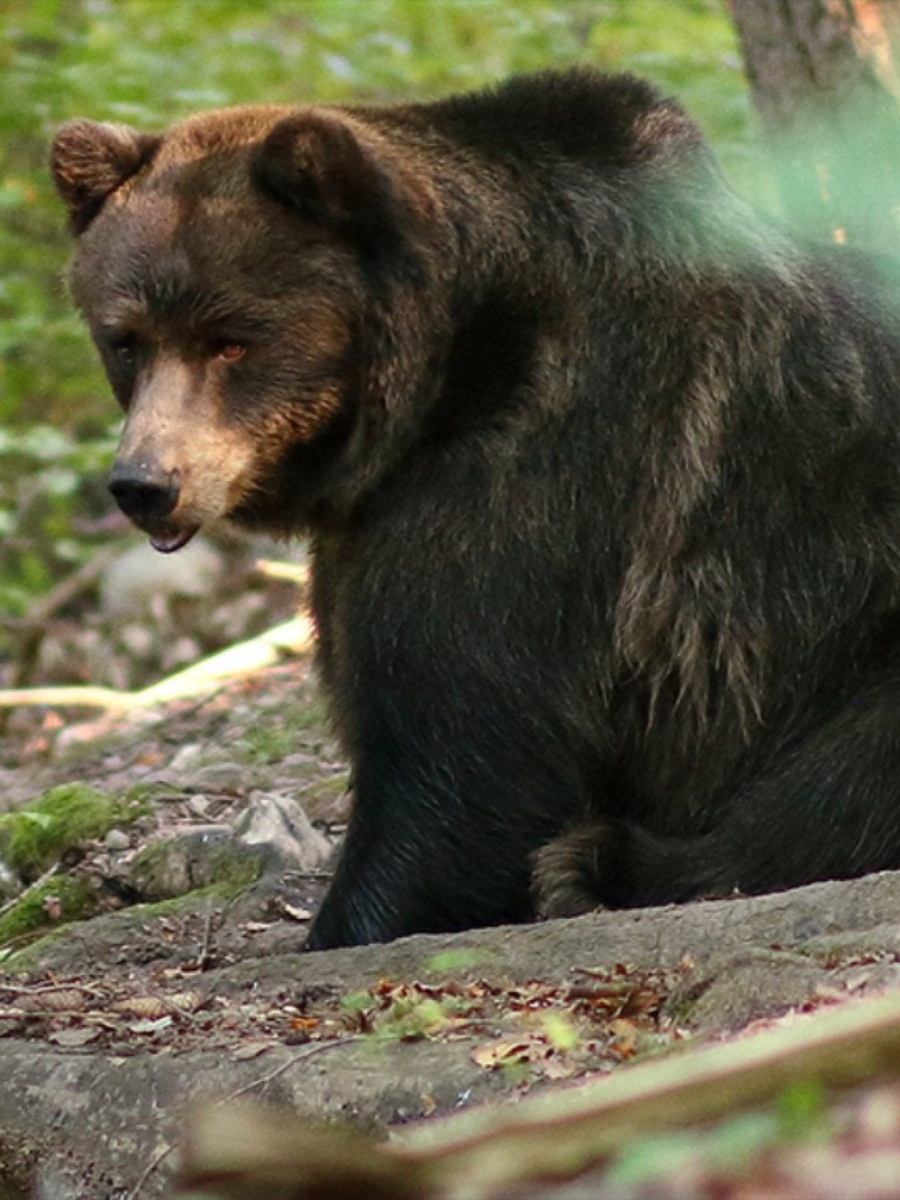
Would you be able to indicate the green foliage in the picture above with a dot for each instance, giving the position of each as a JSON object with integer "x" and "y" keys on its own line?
{"x": 730, "y": 1146}
{"x": 401, "y": 1014}
{"x": 270, "y": 741}
{"x": 560, "y": 1033}
{"x": 802, "y": 1110}
{"x": 457, "y": 960}
{"x": 67, "y": 898}
{"x": 34, "y": 836}
{"x": 150, "y": 62}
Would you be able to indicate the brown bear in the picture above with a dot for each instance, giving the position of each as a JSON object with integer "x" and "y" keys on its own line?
{"x": 601, "y": 472}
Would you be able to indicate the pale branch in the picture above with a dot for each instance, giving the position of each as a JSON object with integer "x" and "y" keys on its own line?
{"x": 289, "y": 638}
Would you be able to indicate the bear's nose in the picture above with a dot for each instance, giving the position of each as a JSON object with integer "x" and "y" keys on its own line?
{"x": 145, "y": 492}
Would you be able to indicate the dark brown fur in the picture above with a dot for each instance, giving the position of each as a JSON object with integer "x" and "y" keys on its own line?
{"x": 601, "y": 472}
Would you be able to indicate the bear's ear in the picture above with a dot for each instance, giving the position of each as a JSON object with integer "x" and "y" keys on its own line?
{"x": 90, "y": 160}
{"x": 315, "y": 163}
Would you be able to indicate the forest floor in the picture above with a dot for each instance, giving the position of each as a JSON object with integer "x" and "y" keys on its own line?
{"x": 110, "y": 1023}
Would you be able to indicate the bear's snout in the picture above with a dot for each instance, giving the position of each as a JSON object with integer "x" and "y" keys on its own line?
{"x": 144, "y": 490}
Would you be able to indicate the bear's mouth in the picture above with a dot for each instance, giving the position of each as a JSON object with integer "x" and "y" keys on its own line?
{"x": 169, "y": 538}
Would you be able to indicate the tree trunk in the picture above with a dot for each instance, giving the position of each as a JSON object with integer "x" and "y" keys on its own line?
{"x": 824, "y": 80}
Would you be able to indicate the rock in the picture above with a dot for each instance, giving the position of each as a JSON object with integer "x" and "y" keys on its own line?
{"x": 727, "y": 991}
{"x": 113, "y": 1115}
{"x": 198, "y": 805}
{"x": 218, "y": 777}
{"x": 199, "y": 857}
{"x": 117, "y": 839}
{"x": 141, "y": 575}
{"x": 327, "y": 798}
{"x": 277, "y": 821}
{"x": 10, "y": 882}
{"x": 185, "y": 758}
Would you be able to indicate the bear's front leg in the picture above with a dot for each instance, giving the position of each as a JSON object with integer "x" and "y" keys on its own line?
{"x": 434, "y": 844}
{"x": 470, "y": 716}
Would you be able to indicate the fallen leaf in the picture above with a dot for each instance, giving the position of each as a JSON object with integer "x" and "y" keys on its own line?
{"x": 187, "y": 1002}
{"x": 296, "y": 913}
{"x": 141, "y": 1006}
{"x": 497, "y": 1054}
{"x": 150, "y": 1026}
{"x": 251, "y": 1050}
{"x": 73, "y": 1037}
{"x": 56, "y": 1000}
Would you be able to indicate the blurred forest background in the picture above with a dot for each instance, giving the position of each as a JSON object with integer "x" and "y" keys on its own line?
{"x": 149, "y": 62}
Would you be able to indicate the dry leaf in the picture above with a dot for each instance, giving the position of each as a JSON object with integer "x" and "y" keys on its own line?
{"x": 150, "y": 1026}
{"x": 141, "y": 1006}
{"x": 187, "y": 1002}
{"x": 502, "y": 1053}
{"x": 555, "y": 1068}
{"x": 305, "y": 1024}
{"x": 56, "y": 1000}
{"x": 295, "y": 913}
{"x": 73, "y": 1038}
{"x": 251, "y": 1050}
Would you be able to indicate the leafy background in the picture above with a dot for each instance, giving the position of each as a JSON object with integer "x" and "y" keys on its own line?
{"x": 149, "y": 62}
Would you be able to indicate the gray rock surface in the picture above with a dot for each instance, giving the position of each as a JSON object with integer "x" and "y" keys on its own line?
{"x": 113, "y": 1117}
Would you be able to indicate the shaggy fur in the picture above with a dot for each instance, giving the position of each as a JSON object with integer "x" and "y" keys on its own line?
{"x": 601, "y": 472}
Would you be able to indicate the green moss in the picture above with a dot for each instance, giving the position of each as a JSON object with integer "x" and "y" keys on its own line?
{"x": 147, "y": 865}
{"x": 141, "y": 797}
{"x": 39, "y": 955}
{"x": 681, "y": 1010}
{"x": 34, "y": 837}
{"x": 458, "y": 959}
{"x": 328, "y": 787}
{"x": 235, "y": 868}
{"x": 177, "y": 867}
{"x": 138, "y": 916}
{"x": 180, "y": 905}
{"x": 69, "y": 897}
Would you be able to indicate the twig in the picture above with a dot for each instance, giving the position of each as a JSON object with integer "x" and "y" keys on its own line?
{"x": 154, "y": 1165}
{"x": 302, "y": 1056}
{"x": 44, "y": 989}
{"x": 203, "y": 954}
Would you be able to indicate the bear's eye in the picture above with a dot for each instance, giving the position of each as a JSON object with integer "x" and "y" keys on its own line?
{"x": 125, "y": 348}
{"x": 228, "y": 351}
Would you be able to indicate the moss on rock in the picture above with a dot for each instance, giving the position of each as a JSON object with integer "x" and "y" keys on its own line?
{"x": 57, "y": 901}
{"x": 180, "y": 865}
{"x": 35, "y": 836}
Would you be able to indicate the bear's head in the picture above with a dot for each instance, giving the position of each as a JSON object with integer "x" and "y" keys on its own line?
{"x": 247, "y": 278}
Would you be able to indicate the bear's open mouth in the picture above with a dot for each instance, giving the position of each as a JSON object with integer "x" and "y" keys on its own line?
{"x": 168, "y": 539}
